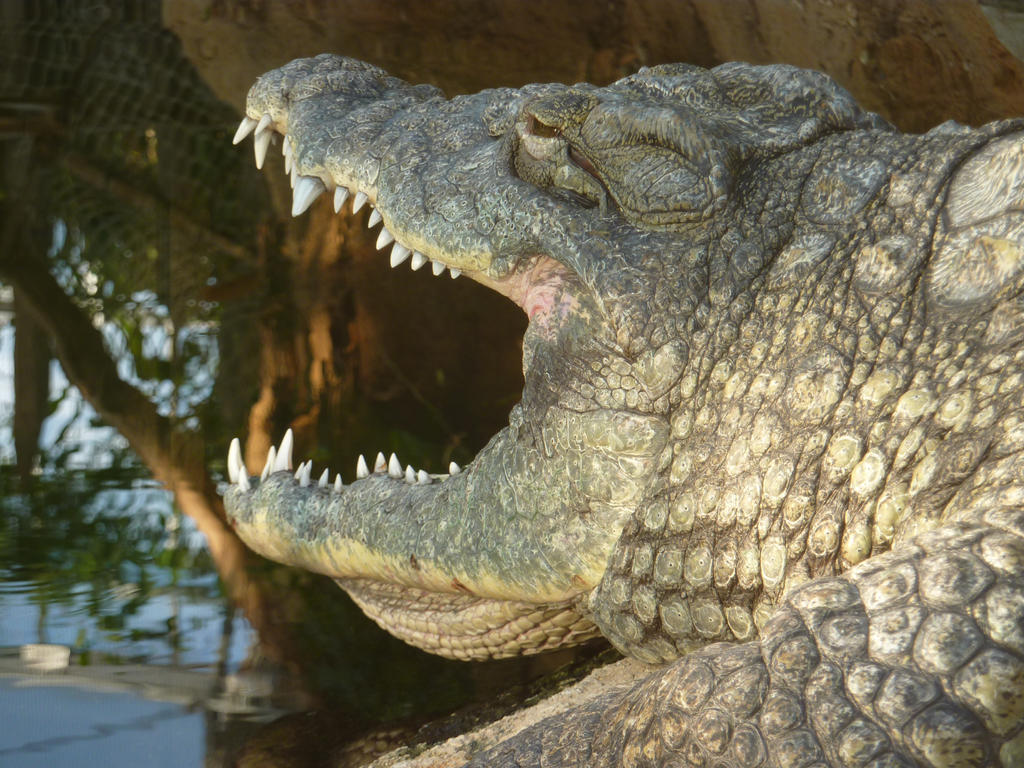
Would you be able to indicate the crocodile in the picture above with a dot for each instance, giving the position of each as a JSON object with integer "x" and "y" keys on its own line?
{"x": 771, "y": 435}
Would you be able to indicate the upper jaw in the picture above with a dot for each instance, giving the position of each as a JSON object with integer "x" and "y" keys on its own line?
{"x": 436, "y": 172}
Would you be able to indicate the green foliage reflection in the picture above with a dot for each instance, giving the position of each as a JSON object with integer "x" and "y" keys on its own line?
{"x": 103, "y": 539}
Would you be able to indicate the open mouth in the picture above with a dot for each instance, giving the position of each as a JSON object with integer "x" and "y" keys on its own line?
{"x": 534, "y": 282}
{"x": 315, "y": 519}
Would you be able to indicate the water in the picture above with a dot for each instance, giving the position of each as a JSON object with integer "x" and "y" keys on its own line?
{"x": 96, "y": 728}
{"x": 117, "y": 642}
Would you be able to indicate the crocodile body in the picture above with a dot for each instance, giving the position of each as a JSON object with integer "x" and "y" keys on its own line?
{"x": 771, "y": 432}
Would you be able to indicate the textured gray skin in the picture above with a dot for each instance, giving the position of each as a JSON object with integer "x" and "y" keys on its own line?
{"x": 774, "y": 381}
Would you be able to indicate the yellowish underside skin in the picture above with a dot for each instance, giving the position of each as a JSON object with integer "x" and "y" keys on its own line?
{"x": 466, "y": 627}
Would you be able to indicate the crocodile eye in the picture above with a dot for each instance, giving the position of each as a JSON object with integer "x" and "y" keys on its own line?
{"x": 537, "y": 128}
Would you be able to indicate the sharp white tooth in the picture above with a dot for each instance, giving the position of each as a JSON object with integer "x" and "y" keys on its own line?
{"x": 361, "y": 468}
{"x": 422, "y": 477}
{"x": 294, "y": 175}
{"x": 234, "y": 459}
{"x": 399, "y": 254}
{"x": 340, "y": 195}
{"x": 436, "y": 267}
{"x": 418, "y": 260}
{"x": 264, "y": 123}
{"x": 244, "y": 129}
{"x": 306, "y": 470}
{"x": 307, "y": 189}
{"x": 283, "y": 460}
{"x": 358, "y": 200}
{"x": 286, "y": 147}
{"x": 384, "y": 238}
{"x": 454, "y": 469}
{"x": 324, "y": 477}
{"x": 259, "y": 146}
{"x": 375, "y": 219}
{"x": 269, "y": 466}
{"x": 298, "y": 472}
{"x": 394, "y": 467}
{"x": 338, "y": 485}
{"x": 241, "y": 472}
{"x": 287, "y": 165}
{"x": 380, "y": 464}
{"x": 410, "y": 474}
{"x": 455, "y": 272}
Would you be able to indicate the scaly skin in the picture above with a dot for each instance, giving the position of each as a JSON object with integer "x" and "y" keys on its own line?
{"x": 774, "y": 381}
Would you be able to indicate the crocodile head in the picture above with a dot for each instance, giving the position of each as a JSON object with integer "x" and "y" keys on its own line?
{"x": 594, "y": 209}
{"x": 634, "y": 224}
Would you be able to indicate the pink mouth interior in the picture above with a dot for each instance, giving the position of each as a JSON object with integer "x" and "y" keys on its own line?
{"x": 535, "y": 289}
